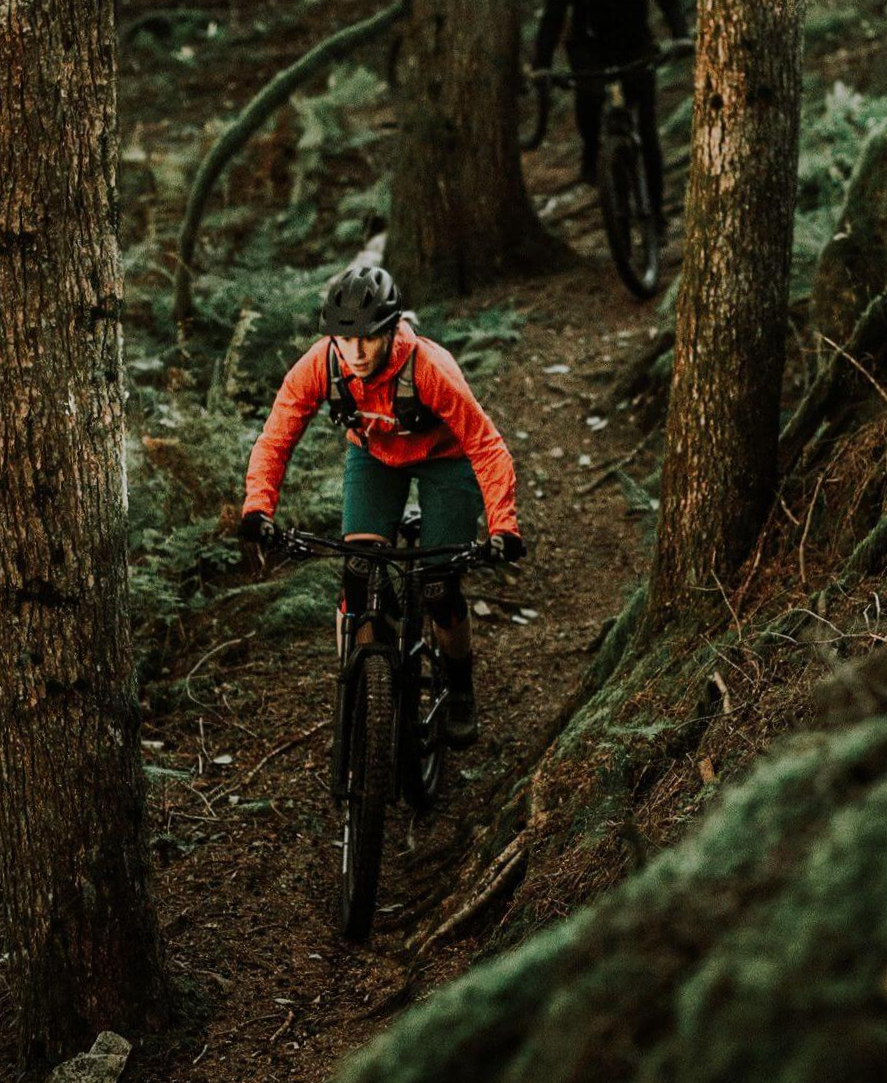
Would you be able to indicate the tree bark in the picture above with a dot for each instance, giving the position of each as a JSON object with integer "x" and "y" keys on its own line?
{"x": 76, "y": 914}
{"x": 459, "y": 207}
{"x": 723, "y": 423}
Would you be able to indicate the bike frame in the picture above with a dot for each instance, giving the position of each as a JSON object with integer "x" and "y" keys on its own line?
{"x": 390, "y": 638}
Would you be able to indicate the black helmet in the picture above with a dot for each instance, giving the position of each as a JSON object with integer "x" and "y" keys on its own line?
{"x": 361, "y": 304}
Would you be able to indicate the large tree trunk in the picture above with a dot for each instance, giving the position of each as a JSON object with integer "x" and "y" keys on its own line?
{"x": 723, "y": 421}
{"x": 77, "y": 918}
{"x": 459, "y": 209}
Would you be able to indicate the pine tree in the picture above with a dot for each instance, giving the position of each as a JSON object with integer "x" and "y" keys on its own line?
{"x": 459, "y": 207}
{"x": 77, "y": 918}
{"x": 719, "y": 472}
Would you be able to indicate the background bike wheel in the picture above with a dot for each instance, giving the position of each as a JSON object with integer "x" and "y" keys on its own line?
{"x": 628, "y": 220}
{"x": 422, "y": 749}
{"x": 534, "y": 102}
{"x": 369, "y": 769}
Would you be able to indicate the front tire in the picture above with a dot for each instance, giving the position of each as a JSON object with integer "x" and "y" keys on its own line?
{"x": 534, "y": 104}
{"x": 628, "y": 219}
{"x": 369, "y": 787}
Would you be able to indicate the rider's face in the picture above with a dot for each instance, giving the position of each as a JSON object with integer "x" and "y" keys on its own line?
{"x": 363, "y": 355}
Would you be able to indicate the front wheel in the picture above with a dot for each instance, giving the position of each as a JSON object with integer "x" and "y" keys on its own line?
{"x": 368, "y": 789}
{"x": 534, "y": 104}
{"x": 628, "y": 217}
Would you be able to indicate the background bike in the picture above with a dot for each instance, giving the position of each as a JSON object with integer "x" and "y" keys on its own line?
{"x": 629, "y": 222}
{"x": 391, "y": 692}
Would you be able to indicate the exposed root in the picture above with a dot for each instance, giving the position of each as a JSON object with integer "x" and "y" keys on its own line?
{"x": 831, "y": 389}
{"x": 504, "y": 873}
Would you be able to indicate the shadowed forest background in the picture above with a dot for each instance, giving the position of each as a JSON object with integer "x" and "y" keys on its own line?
{"x": 665, "y": 858}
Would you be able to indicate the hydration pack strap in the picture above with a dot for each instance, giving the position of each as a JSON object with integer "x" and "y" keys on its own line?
{"x": 406, "y": 397}
{"x": 343, "y": 408}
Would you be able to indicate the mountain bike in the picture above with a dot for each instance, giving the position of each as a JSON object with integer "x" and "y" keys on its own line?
{"x": 391, "y": 692}
{"x": 629, "y": 222}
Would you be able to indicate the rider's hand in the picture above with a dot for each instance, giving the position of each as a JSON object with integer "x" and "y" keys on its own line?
{"x": 258, "y": 527}
{"x": 503, "y": 547}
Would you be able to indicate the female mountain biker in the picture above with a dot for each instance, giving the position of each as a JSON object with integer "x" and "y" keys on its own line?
{"x": 409, "y": 413}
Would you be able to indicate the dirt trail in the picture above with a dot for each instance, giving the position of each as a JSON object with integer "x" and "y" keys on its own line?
{"x": 249, "y": 911}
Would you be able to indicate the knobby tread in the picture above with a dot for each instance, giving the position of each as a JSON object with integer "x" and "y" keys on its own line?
{"x": 614, "y": 153}
{"x": 375, "y": 702}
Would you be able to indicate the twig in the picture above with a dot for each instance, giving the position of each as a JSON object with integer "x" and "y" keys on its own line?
{"x": 200, "y": 1055}
{"x": 285, "y": 747}
{"x": 795, "y": 521}
{"x": 857, "y": 366}
{"x": 584, "y": 490}
{"x": 502, "y": 865}
{"x": 475, "y": 905}
{"x": 206, "y": 658}
{"x": 728, "y": 605}
{"x": 209, "y": 807}
{"x": 721, "y": 686}
{"x": 200, "y": 819}
{"x": 801, "y": 562}
{"x": 283, "y": 1028}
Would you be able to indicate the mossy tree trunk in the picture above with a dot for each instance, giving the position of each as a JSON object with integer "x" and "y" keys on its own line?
{"x": 723, "y": 422}
{"x": 77, "y": 919}
{"x": 459, "y": 206}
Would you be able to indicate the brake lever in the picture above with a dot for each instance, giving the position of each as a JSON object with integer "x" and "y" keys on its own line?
{"x": 295, "y": 548}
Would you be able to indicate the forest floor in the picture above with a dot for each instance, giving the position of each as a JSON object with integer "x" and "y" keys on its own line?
{"x": 248, "y": 885}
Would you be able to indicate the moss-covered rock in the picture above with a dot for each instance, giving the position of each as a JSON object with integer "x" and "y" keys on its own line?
{"x": 754, "y": 951}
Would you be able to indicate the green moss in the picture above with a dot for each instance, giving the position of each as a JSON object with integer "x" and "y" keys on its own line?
{"x": 754, "y": 951}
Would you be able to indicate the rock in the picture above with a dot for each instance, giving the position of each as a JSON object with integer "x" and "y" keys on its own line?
{"x": 481, "y": 609}
{"x": 104, "y": 1063}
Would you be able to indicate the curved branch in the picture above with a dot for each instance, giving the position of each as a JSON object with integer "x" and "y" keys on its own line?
{"x": 253, "y": 115}
{"x": 833, "y": 383}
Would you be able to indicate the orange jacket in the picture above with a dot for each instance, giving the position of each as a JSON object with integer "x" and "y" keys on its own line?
{"x": 465, "y": 429}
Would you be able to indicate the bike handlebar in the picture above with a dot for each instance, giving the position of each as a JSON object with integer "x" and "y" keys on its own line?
{"x": 675, "y": 51}
{"x": 304, "y": 546}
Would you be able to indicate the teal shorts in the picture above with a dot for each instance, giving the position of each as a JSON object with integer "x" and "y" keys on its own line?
{"x": 376, "y": 494}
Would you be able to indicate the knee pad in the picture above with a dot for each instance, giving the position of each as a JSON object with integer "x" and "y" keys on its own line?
{"x": 356, "y": 578}
{"x": 444, "y": 600}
